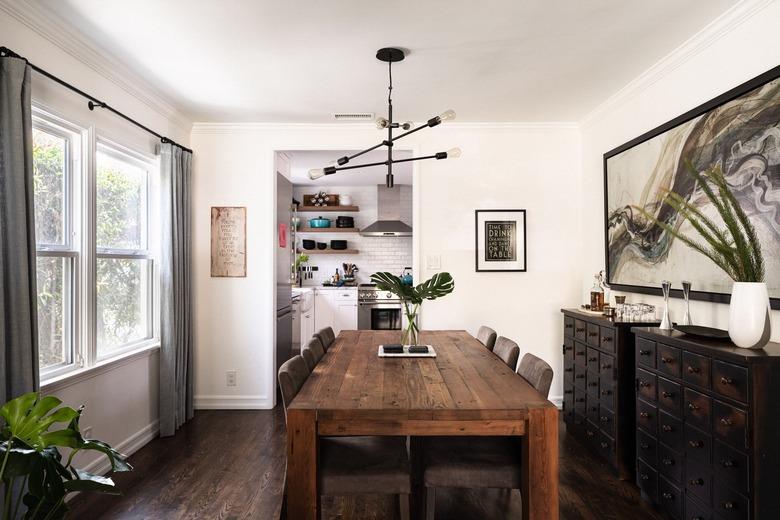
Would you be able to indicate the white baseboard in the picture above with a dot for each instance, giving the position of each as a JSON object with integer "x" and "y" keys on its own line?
{"x": 233, "y": 402}
{"x": 127, "y": 447}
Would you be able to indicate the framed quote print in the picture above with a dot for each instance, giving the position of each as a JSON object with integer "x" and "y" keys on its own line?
{"x": 500, "y": 240}
{"x": 228, "y": 242}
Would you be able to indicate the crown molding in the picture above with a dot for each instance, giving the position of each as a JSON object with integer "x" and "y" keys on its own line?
{"x": 205, "y": 128}
{"x": 80, "y": 48}
{"x": 711, "y": 33}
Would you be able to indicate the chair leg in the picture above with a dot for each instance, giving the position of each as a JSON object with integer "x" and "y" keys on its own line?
{"x": 430, "y": 503}
{"x": 403, "y": 506}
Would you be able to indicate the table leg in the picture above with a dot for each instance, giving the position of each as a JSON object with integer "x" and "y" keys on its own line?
{"x": 540, "y": 465}
{"x": 417, "y": 500}
{"x": 303, "y": 498}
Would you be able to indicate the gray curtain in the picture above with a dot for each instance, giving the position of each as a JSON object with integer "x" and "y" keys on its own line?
{"x": 176, "y": 351}
{"x": 18, "y": 295}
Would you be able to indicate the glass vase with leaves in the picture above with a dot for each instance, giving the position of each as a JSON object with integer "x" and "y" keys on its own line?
{"x": 412, "y": 296}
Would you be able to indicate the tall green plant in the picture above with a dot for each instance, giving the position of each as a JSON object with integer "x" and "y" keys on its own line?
{"x": 736, "y": 248}
{"x": 31, "y": 466}
{"x": 440, "y": 284}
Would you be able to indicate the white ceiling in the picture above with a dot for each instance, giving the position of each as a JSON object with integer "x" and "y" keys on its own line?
{"x": 302, "y": 60}
{"x": 303, "y": 161}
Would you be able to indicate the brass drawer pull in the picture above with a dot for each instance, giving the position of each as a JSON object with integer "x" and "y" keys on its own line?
{"x": 604, "y": 445}
{"x": 644, "y": 415}
{"x": 667, "y": 462}
{"x": 568, "y": 391}
{"x": 605, "y": 392}
{"x": 667, "y": 394}
{"x": 589, "y": 433}
{"x": 568, "y": 369}
{"x": 693, "y": 407}
{"x": 606, "y": 339}
{"x": 666, "y": 427}
{"x": 593, "y": 359}
{"x": 580, "y": 330}
{"x": 729, "y": 505}
{"x": 643, "y": 384}
{"x": 580, "y": 400}
{"x": 580, "y": 376}
{"x": 667, "y": 360}
{"x": 726, "y": 381}
{"x": 667, "y": 496}
{"x": 644, "y": 352}
{"x": 726, "y": 422}
{"x": 696, "y": 482}
{"x": 644, "y": 446}
{"x": 604, "y": 418}
{"x": 605, "y": 367}
{"x": 568, "y": 325}
{"x": 644, "y": 476}
{"x": 696, "y": 444}
{"x": 693, "y": 370}
{"x": 593, "y": 334}
{"x": 727, "y": 463}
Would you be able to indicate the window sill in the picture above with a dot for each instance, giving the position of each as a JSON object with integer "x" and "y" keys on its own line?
{"x": 82, "y": 374}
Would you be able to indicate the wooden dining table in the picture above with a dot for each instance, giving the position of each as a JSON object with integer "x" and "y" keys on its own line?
{"x": 464, "y": 390}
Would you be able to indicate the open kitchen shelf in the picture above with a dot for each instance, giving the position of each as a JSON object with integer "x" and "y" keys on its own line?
{"x": 327, "y": 209}
{"x": 329, "y": 230}
{"x": 330, "y": 251}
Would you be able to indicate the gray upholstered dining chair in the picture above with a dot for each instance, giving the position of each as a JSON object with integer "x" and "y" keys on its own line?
{"x": 507, "y": 350}
{"x": 487, "y": 337}
{"x": 327, "y": 337}
{"x": 353, "y": 465}
{"x": 312, "y": 352}
{"x": 480, "y": 462}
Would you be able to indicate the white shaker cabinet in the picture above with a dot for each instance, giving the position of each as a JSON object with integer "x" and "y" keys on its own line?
{"x": 335, "y": 308}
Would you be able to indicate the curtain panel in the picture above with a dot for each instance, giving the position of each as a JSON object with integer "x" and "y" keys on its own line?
{"x": 18, "y": 294}
{"x": 176, "y": 336}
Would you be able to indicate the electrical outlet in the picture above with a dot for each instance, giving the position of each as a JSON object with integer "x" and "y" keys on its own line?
{"x": 86, "y": 432}
{"x": 230, "y": 378}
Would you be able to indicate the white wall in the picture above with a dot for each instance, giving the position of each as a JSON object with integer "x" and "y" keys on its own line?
{"x": 735, "y": 49}
{"x": 535, "y": 167}
{"x": 121, "y": 401}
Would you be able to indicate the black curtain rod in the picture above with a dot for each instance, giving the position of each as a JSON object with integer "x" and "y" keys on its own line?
{"x": 93, "y": 101}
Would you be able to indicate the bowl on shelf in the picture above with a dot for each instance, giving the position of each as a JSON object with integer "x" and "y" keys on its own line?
{"x": 339, "y": 245}
{"x": 319, "y": 222}
{"x": 309, "y": 244}
{"x": 321, "y": 245}
{"x": 345, "y": 222}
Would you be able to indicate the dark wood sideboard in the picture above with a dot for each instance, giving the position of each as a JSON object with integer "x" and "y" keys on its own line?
{"x": 598, "y": 386}
{"x": 708, "y": 427}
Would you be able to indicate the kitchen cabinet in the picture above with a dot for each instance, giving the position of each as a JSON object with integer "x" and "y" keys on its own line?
{"x": 306, "y": 316}
{"x": 335, "y": 308}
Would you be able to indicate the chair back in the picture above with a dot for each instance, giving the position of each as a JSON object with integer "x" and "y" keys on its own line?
{"x": 309, "y": 357}
{"x": 507, "y": 350}
{"x": 537, "y": 372}
{"x": 292, "y": 375}
{"x": 487, "y": 337}
{"x": 326, "y": 336}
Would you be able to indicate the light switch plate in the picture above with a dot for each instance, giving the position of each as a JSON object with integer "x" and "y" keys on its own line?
{"x": 433, "y": 262}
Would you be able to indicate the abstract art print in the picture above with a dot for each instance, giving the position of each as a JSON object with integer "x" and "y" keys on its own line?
{"x": 500, "y": 240}
{"x": 739, "y": 132}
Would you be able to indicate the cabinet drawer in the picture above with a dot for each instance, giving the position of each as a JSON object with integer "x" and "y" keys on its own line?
{"x": 345, "y": 295}
{"x": 608, "y": 339}
{"x": 669, "y": 396}
{"x": 580, "y": 354}
{"x": 668, "y": 359}
{"x": 593, "y": 383}
{"x": 580, "y": 373}
{"x": 607, "y": 367}
{"x": 645, "y": 352}
{"x": 579, "y": 330}
{"x": 568, "y": 349}
{"x": 647, "y": 480}
{"x": 728, "y": 504}
{"x": 670, "y": 498}
{"x": 698, "y": 445}
{"x": 696, "y": 369}
{"x": 646, "y": 417}
{"x": 607, "y": 393}
{"x": 646, "y": 448}
{"x": 593, "y": 335}
{"x": 579, "y": 401}
{"x": 607, "y": 420}
{"x": 568, "y": 397}
{"x": 579, "y": 425}
{"x": 593, "y": 360}
{"x": 646, "y": 384}
{"x": 670, "y": 463}
{"x": 730, "y": 380}
{"x": 568, "y": 326}
{"x": 731, "y": 466}
{"x": 698, "y": 409}
{"x": 568, "y": 369}
{"x": 730, "y": 424}
{"x": 698, "y": 481}
{"x": 606, "y": 447}
{"x": 591, "y": 434}
{"x": 592, "y": 408}
{"x": 670, "y": 431}
{"x": 695, "y": 511}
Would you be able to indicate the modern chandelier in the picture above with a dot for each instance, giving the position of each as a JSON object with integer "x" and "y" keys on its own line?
{"x": 390, "y": 55}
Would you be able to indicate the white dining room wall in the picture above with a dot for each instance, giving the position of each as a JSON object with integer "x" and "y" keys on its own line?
{"x": 120, "y": 399}
{"x": 735, "y": 48}
{"x": 504, "y": 166}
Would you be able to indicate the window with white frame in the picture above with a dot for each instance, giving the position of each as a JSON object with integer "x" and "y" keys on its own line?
{"x": 95, "y": 267}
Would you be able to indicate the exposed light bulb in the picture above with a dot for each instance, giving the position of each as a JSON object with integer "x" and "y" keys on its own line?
{"x": 381, "y": 123}
{"x": 316, "y": 173}
{"x": 447, "y": 115}
{"x": 407, "y": 125}
{"x": 453, "y": 153}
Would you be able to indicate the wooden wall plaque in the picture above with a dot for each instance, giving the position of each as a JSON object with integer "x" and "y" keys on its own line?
{"x": 228, "y": 242}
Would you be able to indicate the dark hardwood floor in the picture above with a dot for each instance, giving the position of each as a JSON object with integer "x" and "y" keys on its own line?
{"x": 229, "y": 465}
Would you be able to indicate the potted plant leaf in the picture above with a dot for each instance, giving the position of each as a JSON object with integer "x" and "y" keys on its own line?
{"x": 732, "y": 245}
{"x": 440, "y": 284}
{"x": 35, "y": 478}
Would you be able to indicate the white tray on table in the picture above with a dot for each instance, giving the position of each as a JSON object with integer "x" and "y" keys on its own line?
{"x": 430, "y": 354}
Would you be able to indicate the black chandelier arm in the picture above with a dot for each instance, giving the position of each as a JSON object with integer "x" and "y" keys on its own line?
{"x": 344, "y": 160}
{"x": 330, "y": 170}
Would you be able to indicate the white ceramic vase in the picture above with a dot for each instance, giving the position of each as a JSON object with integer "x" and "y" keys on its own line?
{"x": 749, "y": 325}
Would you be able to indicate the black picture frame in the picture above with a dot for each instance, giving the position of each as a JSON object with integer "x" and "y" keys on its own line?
{"x": 523, "y": 245}
{"x": 730, "y": 95}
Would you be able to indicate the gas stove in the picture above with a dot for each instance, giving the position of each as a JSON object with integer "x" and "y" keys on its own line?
{"x": 368, "y": 292}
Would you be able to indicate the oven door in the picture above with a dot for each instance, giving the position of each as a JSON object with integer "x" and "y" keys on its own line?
{"x": 379, "y": 316}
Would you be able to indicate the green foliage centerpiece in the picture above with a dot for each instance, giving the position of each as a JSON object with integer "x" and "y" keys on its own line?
{"x": 440, "y": 284}
{"x": 34, "y": 477}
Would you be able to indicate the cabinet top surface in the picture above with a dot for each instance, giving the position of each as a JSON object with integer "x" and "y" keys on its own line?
{"x": 603, "y": 320}
{"x": 723, "y": 348}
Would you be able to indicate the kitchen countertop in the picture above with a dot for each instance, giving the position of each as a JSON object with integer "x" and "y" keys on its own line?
{"x": 333, "y": 288}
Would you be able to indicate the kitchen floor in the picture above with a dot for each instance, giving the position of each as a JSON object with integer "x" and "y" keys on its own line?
{"x": 230, "y": 465}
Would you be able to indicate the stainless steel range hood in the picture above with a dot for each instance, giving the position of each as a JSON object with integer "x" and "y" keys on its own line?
{"x": 389, "y": 210}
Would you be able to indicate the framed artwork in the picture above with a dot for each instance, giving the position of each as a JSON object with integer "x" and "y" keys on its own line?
{"x": 500, "y": 240}
{"x": 228, "y": 242}
{"x": 739, "y": 132}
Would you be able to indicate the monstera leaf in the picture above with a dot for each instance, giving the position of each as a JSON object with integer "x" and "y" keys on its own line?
{"x": 440, "y": 284}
